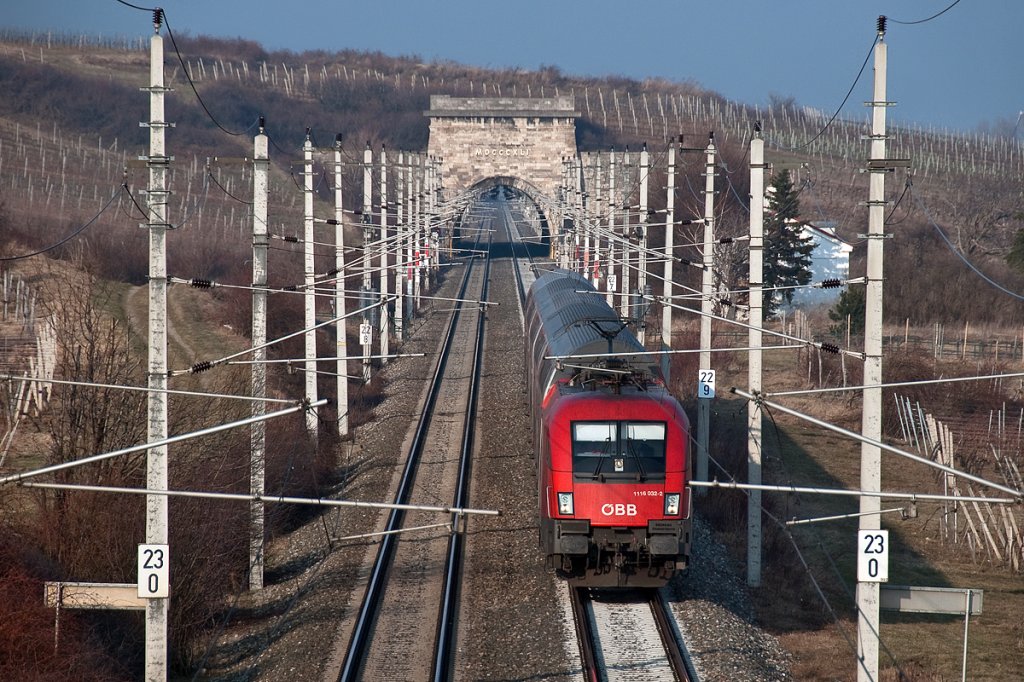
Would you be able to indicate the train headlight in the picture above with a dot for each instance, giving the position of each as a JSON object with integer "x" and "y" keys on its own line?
{"x": 565, "y": 504}
{"x": 671, "y": 504}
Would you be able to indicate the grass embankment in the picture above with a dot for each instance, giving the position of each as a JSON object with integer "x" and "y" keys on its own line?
{"x": 922, "y": 647}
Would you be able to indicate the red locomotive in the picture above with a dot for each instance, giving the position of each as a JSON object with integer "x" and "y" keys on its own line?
{"x": 611, "y": 443}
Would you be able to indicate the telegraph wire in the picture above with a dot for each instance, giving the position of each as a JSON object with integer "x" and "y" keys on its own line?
{"x": 144, "y": 9}
{"x": 158, "y": 14}
{"x": 848, "y": 93}
{"x": 224, "y": 189}
{"x": 71, "y": 236}
{"x": 192, "y": 84}
{"x": 921, "y": 21}
{"x": 956, "y": 252}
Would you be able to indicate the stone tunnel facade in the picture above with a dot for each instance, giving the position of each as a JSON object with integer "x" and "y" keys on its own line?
{"x": 478, "y": 138}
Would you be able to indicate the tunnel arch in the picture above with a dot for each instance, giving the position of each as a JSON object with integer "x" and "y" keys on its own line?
{"x": 475, "y": 139}
{"x": 537, "y": 198}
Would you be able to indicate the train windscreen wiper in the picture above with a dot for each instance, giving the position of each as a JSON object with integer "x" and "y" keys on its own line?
{"x": 604, "y": 455}
{"x": 639, "y": 465}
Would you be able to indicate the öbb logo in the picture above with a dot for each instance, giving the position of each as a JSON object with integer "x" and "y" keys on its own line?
{"x": 610, "y": 509}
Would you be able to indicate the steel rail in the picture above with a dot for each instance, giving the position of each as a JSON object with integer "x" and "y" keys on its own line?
{"x": 362, "y": 632}
{"x": 444, "y": 645}
{"x": 678, "y": 657}
{"x": 580, "y": 599}
{"x": 515, "y": 241}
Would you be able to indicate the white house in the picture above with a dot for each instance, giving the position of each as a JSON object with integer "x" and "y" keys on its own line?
{"x": 829, "y": 260}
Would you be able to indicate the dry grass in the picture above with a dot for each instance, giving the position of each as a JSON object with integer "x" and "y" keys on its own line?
{"x": 915, "y": 647}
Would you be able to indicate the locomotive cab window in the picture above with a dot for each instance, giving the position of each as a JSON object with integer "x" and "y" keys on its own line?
{"x": 618, "y": 451}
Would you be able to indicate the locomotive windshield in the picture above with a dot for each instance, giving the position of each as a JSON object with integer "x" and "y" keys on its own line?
{"x": 618, "y": 450}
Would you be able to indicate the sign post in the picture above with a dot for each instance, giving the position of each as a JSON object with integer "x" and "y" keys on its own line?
{"x": 952, "y": 600}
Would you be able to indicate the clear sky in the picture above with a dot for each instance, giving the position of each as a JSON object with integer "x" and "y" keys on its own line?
{"x": 959, "y": 70}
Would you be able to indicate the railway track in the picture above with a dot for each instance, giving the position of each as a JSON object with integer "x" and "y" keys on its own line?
{"x": 628, "y": 635}
{"x": 622, "y": 635}
{"x": 522, "y": 260}
{"x": 406, "y": 622}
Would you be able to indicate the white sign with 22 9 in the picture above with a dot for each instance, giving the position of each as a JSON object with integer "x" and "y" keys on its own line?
{"x": 706, "y": 383}
{"x": 873, "y": 556}
{"x": 154, "y": 572}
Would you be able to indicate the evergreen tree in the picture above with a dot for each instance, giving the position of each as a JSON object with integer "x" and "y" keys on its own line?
{"x": 1016, "y": 256}
{"x": 787, "y": 253}
{"x": 849, "y": 306}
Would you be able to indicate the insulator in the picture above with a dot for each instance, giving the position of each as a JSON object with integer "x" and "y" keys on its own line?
{"x": 332, "y": 272}
{"x": 832, "y": 283}
{"x": 201, "y": 366}
{"x": 201, "y": 283}
{"x": 726, "y": 302}
{"x": 881, "y": 24}
{"x": 830, "y": 348}
{"x": 158, "y": 17}
{"x": 725, "y": 240}
{"x": 294, "y": 240}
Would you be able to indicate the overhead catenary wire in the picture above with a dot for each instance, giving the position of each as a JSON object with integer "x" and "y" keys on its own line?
{"x": 20, "y": 476}
{"x": 831, "y": 120}
{"x": 788, "y": 534}
{"x": 821, "y": 345}
{"x": 280, "y": 499}
{"x": 144, "y": 389}
{"x": 1017, "y": 494}
{"x": 205, "y": 365}
{"x": 894, "y": 384}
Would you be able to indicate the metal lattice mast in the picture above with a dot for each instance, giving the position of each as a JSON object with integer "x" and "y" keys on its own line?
{"x": 627, "y": 196}
{"x": 592, "y": 248}
{"x": 419, "y": 230}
